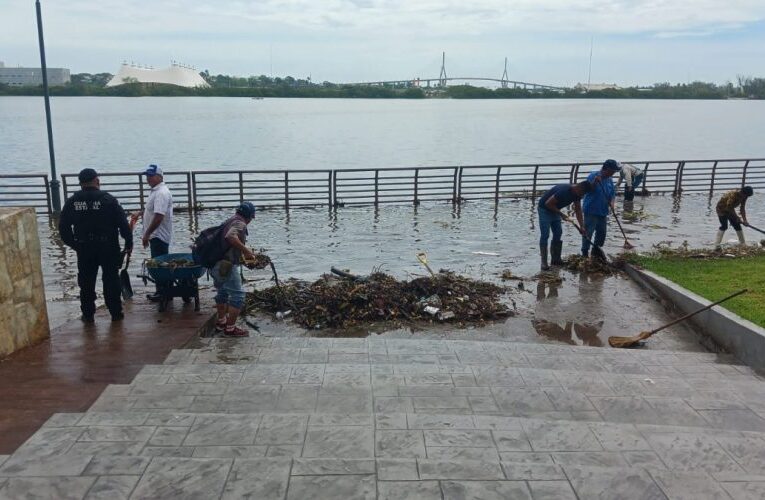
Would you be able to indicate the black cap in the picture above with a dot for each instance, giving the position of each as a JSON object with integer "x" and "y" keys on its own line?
{"x": 87, "y": 175}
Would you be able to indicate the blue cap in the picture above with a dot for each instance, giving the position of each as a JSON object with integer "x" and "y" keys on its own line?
{"x": 612, "y": 165}
{"x": 246, "y": 210}
{"x": 153, "y": 170}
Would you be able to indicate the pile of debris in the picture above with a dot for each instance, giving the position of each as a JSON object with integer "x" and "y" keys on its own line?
{"x": 581, "y": 264}
{"x": 666, "y": 250}
{"x": 171, "y": 263}
{"x": 334, "y": 302}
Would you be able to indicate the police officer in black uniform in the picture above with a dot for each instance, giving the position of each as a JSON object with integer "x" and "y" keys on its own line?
{"x": 89, "y": 223}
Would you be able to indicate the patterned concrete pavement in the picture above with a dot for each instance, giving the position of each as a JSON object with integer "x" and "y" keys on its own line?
{"x": 373, "y": 418}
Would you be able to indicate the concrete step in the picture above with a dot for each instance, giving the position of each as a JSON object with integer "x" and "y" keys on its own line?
{"x": 317, "y": 479}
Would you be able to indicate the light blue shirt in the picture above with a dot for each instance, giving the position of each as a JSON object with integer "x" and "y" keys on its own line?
{"x": 598, "y": 201}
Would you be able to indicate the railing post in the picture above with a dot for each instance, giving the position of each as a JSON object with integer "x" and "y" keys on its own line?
{"x": 743, "y": 177}
{"x": 329, "y": 188}
{"x": 645, "y": 178}
{"x": 416, "y": 185}
{"x": 47, "y": 194}
{"x": 189, "y": 199}
{"x": 377, "y": 179}
{"x": 679, "y": 177}
{"x": 454, "y": 186}
{"x": 194, "y": 188}
{"x": 286, "y": 189}
{"x": 712, "y": 179}
{"x": 496, "y": 185}
{"x": 534, "y": 184}
{"x": 65, "y": 186}
{"x": 334, "y": 188}
{"x": 140, "y": 191}
{"x": 241, "y": 187}
{"x": 459, "y": 186}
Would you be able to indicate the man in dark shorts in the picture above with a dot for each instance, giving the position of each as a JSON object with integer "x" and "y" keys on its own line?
{"x": 726, "y": 212}
{"x": 550, "y": 216}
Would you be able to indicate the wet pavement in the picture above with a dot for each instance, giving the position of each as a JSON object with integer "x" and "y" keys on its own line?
{"x": 67, "y": 372}
{"x": 479, "y": 239}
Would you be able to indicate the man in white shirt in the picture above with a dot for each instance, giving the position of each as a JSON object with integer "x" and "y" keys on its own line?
{"x": 157, "y": 215}
{"x": 633, "y": 177}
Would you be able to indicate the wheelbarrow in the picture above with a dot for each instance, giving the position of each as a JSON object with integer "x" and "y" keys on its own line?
{"x": 172, "y": 280}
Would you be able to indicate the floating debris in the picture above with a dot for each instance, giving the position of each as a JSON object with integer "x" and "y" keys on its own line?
{"x": 548, "y": 278}
{"x": 332, "y": 302}
{"x": 638, "y": 215}
{"x": 507, "y": 275}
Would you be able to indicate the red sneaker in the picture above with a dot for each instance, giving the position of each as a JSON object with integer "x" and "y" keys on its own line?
{"x": 235, "y": 331}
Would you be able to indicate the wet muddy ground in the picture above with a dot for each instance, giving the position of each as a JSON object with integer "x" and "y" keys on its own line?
{"x": 479, "y": 239}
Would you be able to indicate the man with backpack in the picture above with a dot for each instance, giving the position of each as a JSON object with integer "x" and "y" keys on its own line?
{"x": 222, "y": 249}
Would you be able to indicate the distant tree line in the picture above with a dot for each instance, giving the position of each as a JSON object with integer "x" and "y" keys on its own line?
{"x": 87, "y": 84}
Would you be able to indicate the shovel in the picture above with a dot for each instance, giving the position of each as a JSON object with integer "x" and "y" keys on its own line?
{"x": 423, "y": 258}
{"x": 127, "y": 289}
{"x": 633, "y": 341}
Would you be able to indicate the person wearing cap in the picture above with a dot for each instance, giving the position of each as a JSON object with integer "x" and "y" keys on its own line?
{"x": 226, "y": 275}
{"x": 550, "y": 216}
{"x": 597, "y": 204}
{"x": 157, "y": 216}
{"x": 632, "y": 177}
{"x": 726, "y": 212}
{"x": 90, "y": 223}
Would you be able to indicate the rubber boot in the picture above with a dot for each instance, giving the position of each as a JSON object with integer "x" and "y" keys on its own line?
{"x": 543, "y": 255}
{"x": 741, "y": 240}
{"x": 556, "y": 247}
{"x": 718, "y": 239}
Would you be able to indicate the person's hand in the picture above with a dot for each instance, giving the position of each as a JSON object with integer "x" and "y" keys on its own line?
{"x": 564, "y": 217}
{"x": 745, "y": 222}
{"x": 247, "y": 254}
{"x": 145, "y": 240}
{"x": 128, "y": 251}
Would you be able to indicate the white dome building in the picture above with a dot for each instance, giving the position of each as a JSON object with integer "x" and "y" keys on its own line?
{"x": 183, "y": 76}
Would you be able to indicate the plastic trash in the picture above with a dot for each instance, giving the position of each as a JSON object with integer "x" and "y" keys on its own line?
{"x": 431, "y": 310}
{"x": 283, "y": 314}
{"x": 446, "y": 315}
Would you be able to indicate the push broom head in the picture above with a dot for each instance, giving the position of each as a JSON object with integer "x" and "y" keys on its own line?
{"x": 624, "y": 342}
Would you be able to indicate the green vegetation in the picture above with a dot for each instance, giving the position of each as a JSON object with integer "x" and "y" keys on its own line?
{"x": 86, "y": 84}
{"x": 714, "y": 278}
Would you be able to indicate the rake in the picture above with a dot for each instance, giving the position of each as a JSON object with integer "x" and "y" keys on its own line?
{"x": 633, "y": 341}
{"x": 596, "y": 250}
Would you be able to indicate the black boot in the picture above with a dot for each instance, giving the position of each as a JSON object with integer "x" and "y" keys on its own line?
{"x": 555, "y": 250}
{"x": 543, "y": 255}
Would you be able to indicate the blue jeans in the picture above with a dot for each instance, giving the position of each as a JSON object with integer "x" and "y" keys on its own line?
{"x": 549, "y": 221}
{"x": 230, "y": 289}
{"x": 594, "y": 224}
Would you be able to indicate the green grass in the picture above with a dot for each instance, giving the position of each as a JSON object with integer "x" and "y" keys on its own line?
{"x": 713, "y": 279}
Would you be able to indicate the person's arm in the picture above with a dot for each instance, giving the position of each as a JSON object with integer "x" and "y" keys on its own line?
{"x": 235, "y": 242}
{"x": 155, "y": 222}
{"x": 627, "y": 177}
{"x": 65, "y": 227}
{"x": 552, "y": 207}
{"x": 124, "y": 227}
{"x": 743, "y": 212}
{"x": 578, "y": 212}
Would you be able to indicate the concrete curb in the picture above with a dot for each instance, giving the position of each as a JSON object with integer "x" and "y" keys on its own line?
{"x": 734, "y": 334}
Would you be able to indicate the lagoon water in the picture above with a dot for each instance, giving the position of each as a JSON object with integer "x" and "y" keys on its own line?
{"x": 187, "y": 133}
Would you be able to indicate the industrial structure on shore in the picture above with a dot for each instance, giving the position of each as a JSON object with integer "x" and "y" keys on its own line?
{"x": 30, "y": 77}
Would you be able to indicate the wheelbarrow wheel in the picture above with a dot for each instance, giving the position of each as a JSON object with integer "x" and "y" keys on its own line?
{"x": 163, "y": 304}
{"x": 196, "y": 303}
{"x": 186, "y": 299}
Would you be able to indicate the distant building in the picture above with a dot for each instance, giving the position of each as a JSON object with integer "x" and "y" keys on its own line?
{"x": 587, "y": 87}
{"x": 176, "y": 74}
{"x": 22, "y": 77}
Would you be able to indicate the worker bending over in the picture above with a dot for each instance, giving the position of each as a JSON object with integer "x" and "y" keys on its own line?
{"x": 550, "y": 215}
{"x": 726, "y": 212}
{"x": 633, "y": 177}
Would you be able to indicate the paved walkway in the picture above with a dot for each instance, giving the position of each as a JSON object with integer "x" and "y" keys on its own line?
{"x": 69, "y": 371}
{"x": 301, "y": 418}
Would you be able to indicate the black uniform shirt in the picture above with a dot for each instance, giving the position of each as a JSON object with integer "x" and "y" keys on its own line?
{"x": 93, "y": 217}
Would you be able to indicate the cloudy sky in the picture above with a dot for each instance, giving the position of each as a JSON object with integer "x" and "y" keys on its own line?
{"x": 545, "y": 41}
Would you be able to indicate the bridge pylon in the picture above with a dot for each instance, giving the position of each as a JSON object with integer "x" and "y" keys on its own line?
{"x": 505, "y": 79}
{"x": 442, "y": 76}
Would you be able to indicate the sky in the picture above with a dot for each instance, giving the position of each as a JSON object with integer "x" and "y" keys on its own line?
{"x": 635, "y": 42}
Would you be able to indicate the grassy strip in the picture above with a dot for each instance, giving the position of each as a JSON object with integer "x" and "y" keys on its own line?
{"x": 713, "y": 279}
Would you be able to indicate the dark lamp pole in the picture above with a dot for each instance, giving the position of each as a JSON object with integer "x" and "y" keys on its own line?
{"x": 55, "y": 195}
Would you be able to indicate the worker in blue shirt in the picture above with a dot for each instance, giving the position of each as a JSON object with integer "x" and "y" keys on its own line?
{"x": 597, "y": 204}
{"x": 550, "y": 216}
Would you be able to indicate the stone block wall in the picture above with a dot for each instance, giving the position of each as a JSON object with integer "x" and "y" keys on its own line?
{"x": 23, "y": 314}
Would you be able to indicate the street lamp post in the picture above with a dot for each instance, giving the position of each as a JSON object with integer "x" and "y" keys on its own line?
{"x": 55, "y": 195}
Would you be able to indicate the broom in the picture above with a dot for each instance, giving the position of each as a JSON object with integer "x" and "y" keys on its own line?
{"x": 633, "y": 341}
{"x": 596, "y": 250}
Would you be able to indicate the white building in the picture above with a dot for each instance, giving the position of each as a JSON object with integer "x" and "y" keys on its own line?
{"x": 23, "y": 77}
{"x": 183, "y": 76}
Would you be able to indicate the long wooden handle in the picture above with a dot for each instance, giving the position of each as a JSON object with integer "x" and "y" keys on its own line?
{"x": 620, "y": 224}
{"x": 755, "y": 228}
{"x": 710, "y": 306}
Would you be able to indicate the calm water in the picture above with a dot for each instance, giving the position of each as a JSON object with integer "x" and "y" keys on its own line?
{"x": 207, "y": 133}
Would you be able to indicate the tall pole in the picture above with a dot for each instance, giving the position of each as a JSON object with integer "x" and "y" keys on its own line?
{"x": 442, "y": 76}
{"x": 55, "y": 195}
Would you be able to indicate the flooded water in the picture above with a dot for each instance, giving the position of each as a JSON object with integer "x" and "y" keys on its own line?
{"x": 179, "y": 133}
{"x": 477, "y": 239}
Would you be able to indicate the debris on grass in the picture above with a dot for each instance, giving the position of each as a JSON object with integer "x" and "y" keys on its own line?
{"x": 333, "y": 302}
{"x": 665, "y": 249}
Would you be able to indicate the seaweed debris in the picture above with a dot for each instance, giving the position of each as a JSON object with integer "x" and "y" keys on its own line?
{"x": 581, "y": 264}
{"x": 171, "y": 263}
{"x": 332, "y": 302}
{"x": 666, "y": 250}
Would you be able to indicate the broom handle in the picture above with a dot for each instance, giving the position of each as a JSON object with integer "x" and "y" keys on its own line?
{"x": 710, "y": 306}
{"x": 620, "y": 225}
{"x": 755, "y": 228}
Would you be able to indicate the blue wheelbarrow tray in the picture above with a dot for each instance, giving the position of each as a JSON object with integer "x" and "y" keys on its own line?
{"x": 164, "y": 275}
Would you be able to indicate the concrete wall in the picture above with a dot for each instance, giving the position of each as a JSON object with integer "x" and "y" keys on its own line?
{"x": 731, "y": 332}
{"x": 23, "y": 315}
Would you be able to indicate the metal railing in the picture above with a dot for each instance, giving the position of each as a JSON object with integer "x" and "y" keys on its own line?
{"x": 196, "y": 190}
{"x": 25, "y": 191}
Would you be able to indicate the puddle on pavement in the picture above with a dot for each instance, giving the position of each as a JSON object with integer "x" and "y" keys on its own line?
{"x": 479, "y": 239}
